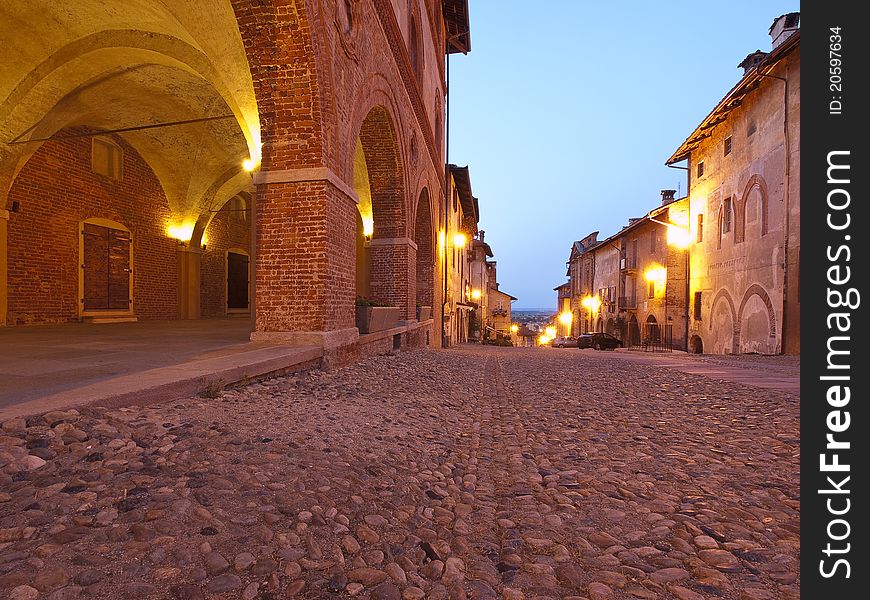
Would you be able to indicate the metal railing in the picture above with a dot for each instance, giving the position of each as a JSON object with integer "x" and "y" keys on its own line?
{"x": 649, "y": 337}
{"x": 628, "y": 302}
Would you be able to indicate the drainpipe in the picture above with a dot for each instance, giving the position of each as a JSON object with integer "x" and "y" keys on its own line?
{"x": 786, "y": 188}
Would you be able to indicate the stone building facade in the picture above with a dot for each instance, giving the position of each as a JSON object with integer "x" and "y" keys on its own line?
{"x": 131, "y": 131}
{"x": 718, "y": 270}
{"x": 744, "y": 190}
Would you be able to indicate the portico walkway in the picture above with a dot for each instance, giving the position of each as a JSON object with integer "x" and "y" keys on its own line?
{"x": 47, "y": 366}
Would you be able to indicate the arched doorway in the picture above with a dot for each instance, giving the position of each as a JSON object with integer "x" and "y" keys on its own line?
{"x": 652, "y": 333}
{"x": 225, "y": 272}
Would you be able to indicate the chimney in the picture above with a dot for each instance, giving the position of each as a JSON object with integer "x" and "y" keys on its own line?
{"x": 480, "y": 235}
{"x": 783, "y": 27}
{"x": 668, "y": 196}
{"x": 751, "y": 61}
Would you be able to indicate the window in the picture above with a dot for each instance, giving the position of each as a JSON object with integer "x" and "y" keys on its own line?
{"x": 700, "y": 168}
{"x": 700, "y": 237}
{"x": 728, "y": 145}
{"x": 652, "y": 241}
{"x": 726, "y": 215}
{"x": 107, "y": 157}
{"x": 696, "y": 308}
{"x": 651, "y": 288}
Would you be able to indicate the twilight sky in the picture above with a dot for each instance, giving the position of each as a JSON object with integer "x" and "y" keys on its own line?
{"x": 566, "y": 110}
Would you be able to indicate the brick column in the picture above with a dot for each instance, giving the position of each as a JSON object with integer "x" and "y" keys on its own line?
{"x": 4, "y": 253}
{"x": 305, "y": 273}
{"x": 394, "y": 273}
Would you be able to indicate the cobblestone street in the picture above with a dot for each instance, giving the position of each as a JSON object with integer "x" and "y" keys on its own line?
{"x": 476, "y": 472}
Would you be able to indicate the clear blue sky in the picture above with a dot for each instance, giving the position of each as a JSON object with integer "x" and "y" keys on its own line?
{"x": 565, "y": 112}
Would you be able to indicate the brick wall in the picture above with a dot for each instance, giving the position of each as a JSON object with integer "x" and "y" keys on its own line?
{"x": 57, "y": 189}
{"x": 228, "y": 229}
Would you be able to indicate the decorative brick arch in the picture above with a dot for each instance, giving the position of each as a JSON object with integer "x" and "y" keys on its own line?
{"x": 757, "y": 290}
{"x": 393, "y": 254}
{"x": 424, "y": 237}
{"x": 756, "y": 181}
{"x": 375, "y": 103}
{"x": 724, "y": 296}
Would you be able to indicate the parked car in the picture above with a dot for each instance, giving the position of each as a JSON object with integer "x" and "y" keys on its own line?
{"x": 598, "y": 340}
{"x": 565, "y": 342}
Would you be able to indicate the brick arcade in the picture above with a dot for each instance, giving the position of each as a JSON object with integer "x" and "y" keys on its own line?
{"x": 252, "y": 176}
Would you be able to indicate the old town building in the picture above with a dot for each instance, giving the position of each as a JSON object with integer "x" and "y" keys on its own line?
{"x": 744, "y": 188}
{"x": 457, "y": 251}
{"x": 718, "y": 270}
{"x": 226, "y": 157}
{"x": 632, "y": 284}
{"x": 479, "y": 273}
{"x": 581, "y": 273}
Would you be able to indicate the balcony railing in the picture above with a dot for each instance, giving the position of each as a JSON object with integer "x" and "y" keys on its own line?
{"x": 627, "y": 263}
{"x": 628, "y": 302}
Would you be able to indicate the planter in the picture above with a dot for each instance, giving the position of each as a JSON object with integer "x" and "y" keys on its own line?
{"x": 424, "y": 313}
{"x": 376, "y": 318}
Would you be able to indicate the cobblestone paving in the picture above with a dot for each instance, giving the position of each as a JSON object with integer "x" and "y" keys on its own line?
{"x": 470, "y": 473}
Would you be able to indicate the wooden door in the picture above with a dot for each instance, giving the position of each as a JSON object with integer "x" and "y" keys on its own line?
{"x": 106, "y": 268}
{"x": 237, "y": 281}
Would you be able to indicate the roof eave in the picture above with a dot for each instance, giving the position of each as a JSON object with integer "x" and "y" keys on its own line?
{"x": 751, "y": 78}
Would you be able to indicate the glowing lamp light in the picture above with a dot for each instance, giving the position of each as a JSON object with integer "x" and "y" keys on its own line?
{"x": 591, "y": 303}
{"x": 442, "y": 239}
{"x": 459, "y": 240}
{"x": 544, "y": 339}
{"x": 475, "y": 294}
{"x": 678, "y": 236}
{"x": 249, "y": 164}
{"x": 515, "y": 328}
{"x": 657, "y": 274}
{"x": 181, "y": 232}
{"x": 368, "y": 227}
{"x": 565, "y": 319}
{"x": 550, "y": 331}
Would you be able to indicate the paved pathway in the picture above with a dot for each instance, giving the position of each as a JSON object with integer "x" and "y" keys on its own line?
{"x": 477, "y": 472}
{"x": 41, "y": 360}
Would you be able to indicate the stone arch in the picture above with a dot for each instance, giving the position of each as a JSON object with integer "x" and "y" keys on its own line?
{"x": 756, "y": 182}
{"x": 756, "y": 336}
{"x": 652, "y": 331}
{"x": 393, "y": 253}
{"x": 89, "y": 50}
{"x": 611, "y": 327}
{"x": 225, "y": 232}
{"x": 725, "y": 338}
{"x": 696, "y": 345}
{"x": 424, "y": 237}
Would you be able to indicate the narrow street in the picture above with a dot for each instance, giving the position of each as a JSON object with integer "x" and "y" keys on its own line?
{"x": 477, "y": 472}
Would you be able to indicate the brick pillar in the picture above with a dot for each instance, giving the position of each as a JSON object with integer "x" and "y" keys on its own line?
{"x": 305, "y": 276}
{"x": 4, "y": 252}
{"x": 189, "y": 261}
{"x": 394, "y": 273}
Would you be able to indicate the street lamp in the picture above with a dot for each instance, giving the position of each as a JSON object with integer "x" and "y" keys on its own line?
{"x": 565, "y": 319}
{"x": 591, "y": 304}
